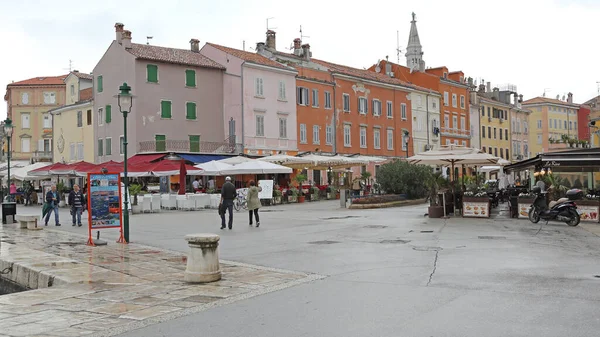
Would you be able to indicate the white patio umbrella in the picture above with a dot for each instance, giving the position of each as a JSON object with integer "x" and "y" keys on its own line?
{"x": 21, "y": 173}
{"x": 235, "y": 160}
{"x": 283, "y": 159}
{"x": 320, "y": 162}
{"x": 454, "y": 154}
{"x": 213, "y": 168}
{"x": 256, "y": 167}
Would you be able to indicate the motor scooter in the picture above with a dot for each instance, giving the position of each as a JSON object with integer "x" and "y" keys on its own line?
{"x": 563, "y": 209}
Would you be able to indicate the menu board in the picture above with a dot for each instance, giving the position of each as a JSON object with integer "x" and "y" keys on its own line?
{"x": 104, "y": 201}
{"x": 588, "y": 213}
{"x": 524, "y": 210}
{"x": 476, "y": 209}
{"x": 267, "y": 189}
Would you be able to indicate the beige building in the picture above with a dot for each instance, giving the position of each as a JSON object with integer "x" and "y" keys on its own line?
{"x": 28, "y": 103}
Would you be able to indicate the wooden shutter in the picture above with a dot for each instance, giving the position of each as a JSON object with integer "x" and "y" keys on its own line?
{"x": 190, "y": 110}
{"x": 190, "y": 78}
{"x": 152, "y": 73}
{"x": 100, "y": 84}
{"x": 108, "y": 114}
{"x": 160, "y": 142}
{"x": 165, "y": 109}
{"x": 194, "y": 143}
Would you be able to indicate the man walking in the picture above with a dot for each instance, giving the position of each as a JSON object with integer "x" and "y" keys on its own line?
{"x": 228, "y": 194}
{"x": 52, "y": 198}
{"x": 77, "y": 203}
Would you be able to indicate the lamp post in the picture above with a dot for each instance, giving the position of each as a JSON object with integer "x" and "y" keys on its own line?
{"x": 405, "y": 139}
{"x": 125, "y": 100}
{"x": 8, "y": 130}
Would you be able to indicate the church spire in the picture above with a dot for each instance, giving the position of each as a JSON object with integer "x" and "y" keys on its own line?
{"x": 414, "y": 50}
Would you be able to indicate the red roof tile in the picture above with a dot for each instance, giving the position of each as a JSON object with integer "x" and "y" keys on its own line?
{"x": 172, "y": 55}
{"x": 83, "y": 75}
{"x": 249, "y": 57}
{"x": 42, "y": 80}
{"x": 86, "y": 94}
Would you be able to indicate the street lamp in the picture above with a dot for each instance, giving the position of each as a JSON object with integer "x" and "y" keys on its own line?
{"x": 405, "y": 139}
{"x": 8, "y": 131}
{"x": 125, "y": 100}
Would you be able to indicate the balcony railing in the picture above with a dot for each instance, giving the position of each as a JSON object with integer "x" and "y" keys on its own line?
{"x": 225, "y": 147}
{"x": 450, "y": 132}
{"x": 41, "y": 155}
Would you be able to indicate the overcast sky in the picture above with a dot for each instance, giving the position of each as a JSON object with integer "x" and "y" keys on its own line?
{"x": 536, "y": 45}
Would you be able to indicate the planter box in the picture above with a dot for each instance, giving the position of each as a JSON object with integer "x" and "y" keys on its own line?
{"x": 523, "y": 206}
{"x": 588, "y": 210}
{"x": 476, "y": 207}
{"x": 292, "y": 198}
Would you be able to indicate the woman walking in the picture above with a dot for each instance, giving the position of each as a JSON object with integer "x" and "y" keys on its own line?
{"x": 253, "y": 202}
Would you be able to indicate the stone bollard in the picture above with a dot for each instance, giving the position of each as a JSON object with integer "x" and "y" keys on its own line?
{"x": 203, "y": 259}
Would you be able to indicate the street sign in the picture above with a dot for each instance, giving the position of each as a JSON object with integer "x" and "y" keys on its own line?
{"x": 104, "y": 203}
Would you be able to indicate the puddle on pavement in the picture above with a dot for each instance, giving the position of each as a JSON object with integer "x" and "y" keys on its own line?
{"x": 492, "y": 237}
{"x": 375, "y": 226}
{"x": 427, "y": 249}
{"x": 324, "y": 242}
{"x": 395, "y": 241}
{"x": 341, "y": 217}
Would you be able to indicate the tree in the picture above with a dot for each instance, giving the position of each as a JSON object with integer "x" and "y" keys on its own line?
{"x": 400, "y": 177}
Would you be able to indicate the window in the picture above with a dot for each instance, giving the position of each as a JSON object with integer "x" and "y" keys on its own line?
{"x": 539, "y": 139}
{"x": 281, "y": 95}
{"x": 376, "y": 107}
{"x": 555, "y": 124}
{"x": 25, "y": 121}
{"x": 463, "y": 123}
{"x": 100, "y": 116}
{"x": 302, "y": 96}
{"x": 165, "y": 109}
{"x": 108, "y": 114}
{"x": 419, "y": 100}
{"x": 99, "y": 84}
{"x": 49, "y": 98}
{"x": 316, "y": 135}
{"x": 447, "y": 141}
{"x": 327, "y": 100}
{"x": 505, "y": 134}
{"x": 447, "y": 121}
{"x": 500, "y": 134}
{"x": 190, "y": 78}
{"x": 496, "y": 151}
{"x": 482, "y": 131}
{"x": 108, "y": 146}
{"x": 194, "y": 143}
{"x": 47, "y": 121}
{"x": 282, "y": 127}
{"x": 121, "y": 145}
{"x": 483, "y": 149}
{"x": 79, "y": 119}
{"x": 550, "y": 123}
{"x": 496, "y": 133}
{"x": 445, "y": 98}
{"x": 434, "y": 105}
{"x": 362, "y": 105}
{"x": 506, "y": 154}
{"x": 303, "y": 133}
{"x": 89, "y": 117}
{"x": 363, "y": 136}
{"x": 377, "y": 138}
{"x": 72, "y": 153}
{"x": 539, "y": 123}
{"x": 161, "y": 143}
{"x": 501, "y": 153}
{"x": 100, "y": 147}
{"x": 346, "y": 99}
{"x": 570, "y": 125}
{"x": 464, "y": 143}
{"x": 455, "y": 122}
{"x": 490, "y": 150}
{"x": 315, "y": 98}
{"x": 258, "y": 87}
{"x": 389, "y": 109}
{"x": 404, "y": 144}
{"x": 462, "y": 101}
{"x": 403, "y": 111}
{"x": 565, "y": 124}
{"x": 347, "y": 138}
{"x": 72, "y": 89}
{"x": 152, "y": 73}
{"x": 483, "y": 110}
{"x": 455, "y": 142}
{"x": 574, "y": 126}
{"x": 25, "y": 98}
{"x": 489, "y": 132}
{"x": 390, "y": 139}
{"x": 190, "y": 111}
{"x": 79, "y": 151}
{"x": 260, "y": 126}
{"x": 454, "y": 100}
{"x": 328, "y": 135}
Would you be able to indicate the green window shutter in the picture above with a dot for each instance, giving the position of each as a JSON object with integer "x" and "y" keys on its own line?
{"x": 152, "y": 72}
{"x": 165, "y": 109}
{"x": 190, "y": 110}
{"x": 161, "y": 143}
{"x": 108, "y": 113}
{"x": 99, "y": 84}
{"x": 194, "y": 143}
{"x": 190, "y": 78}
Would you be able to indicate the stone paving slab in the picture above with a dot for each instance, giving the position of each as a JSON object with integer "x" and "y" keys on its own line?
{"x": 107, "y": 290}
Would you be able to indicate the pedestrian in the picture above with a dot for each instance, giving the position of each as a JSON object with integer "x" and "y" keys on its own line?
{"x": 228, "y": 195}
{"x": 77, "y": 202}
{"x": 13, "y": 191}
{"x": 211, "y": 183}
{"x": 253, "y": 202}
{"x": 28, "y": 191}
{"x": 52, "y": 198}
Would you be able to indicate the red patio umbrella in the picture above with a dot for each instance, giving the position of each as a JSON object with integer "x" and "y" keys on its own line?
{"x": 182, "y": 174}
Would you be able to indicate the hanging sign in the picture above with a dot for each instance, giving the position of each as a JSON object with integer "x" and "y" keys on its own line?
{"x": 104, "y": 203}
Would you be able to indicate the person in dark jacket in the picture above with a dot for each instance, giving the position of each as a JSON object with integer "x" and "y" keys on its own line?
{"x": 228, "y": 195}
{"x": 53, "y": 198}
{"x": 77, "y": 202}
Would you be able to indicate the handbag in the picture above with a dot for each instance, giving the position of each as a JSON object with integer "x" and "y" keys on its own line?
{"x": 221, "y": 209}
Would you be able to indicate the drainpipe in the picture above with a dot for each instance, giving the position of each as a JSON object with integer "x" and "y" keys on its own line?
{"x": 427, "y": 110}
{"x": 334, "y": 119}
{"x": 242, "y": 105}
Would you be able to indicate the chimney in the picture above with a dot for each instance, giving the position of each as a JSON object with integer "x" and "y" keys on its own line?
{"x": 496, "y": 94}
{"x": 570, "y": 98}
{"x": 521, "y": 98}
{"x": 306, "y": 52}
{"x": 119, "y": 31}
{"x": 260, "y": 47}
{"x": 297, "y": 47}
{"x": 127, "y": 39}
{"x": 489, "y": 87}
{"x": 388, "y": 69}
{"x": 195, "y": 45}
{"x": 271, "y": 40}
{"x": 482, "y": 88}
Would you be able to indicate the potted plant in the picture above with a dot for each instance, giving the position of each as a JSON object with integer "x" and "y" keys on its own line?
{"x": 277, "y": 196}
{"x": 135, "y": 190}
{"x": 300, "y": 178}
{"x": 63, "y": 191}
{"x": 551, "y": 140}
{"x": 433, "y": 184}
{"x": 314, "y": 193}
{"x": 366, "y": 178}
{"x": 293, "y": 194}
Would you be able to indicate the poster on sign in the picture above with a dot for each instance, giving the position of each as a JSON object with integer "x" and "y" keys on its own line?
{"x": 588, "y": 213}
{"x": 476, "y": 209}
{"x": 104, "y": 202}
{"x": 267, "y": 189}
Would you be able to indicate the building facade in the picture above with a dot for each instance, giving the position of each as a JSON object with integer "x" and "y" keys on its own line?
{"x": 178, "y": 105}
{"x": 495, "y": 130}
{"x": 260, "y": 101}
{"x": 73, "y": 128}
{"x": 75, "y": 85}
{"x": 28, "y": 103}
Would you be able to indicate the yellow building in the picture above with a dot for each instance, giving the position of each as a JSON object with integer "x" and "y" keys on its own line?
{"x": 28, "y": 103}
{"x": 551, "y": 118}
{"x": 495, "y": 133}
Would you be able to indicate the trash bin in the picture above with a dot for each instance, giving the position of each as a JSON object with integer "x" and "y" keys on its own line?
{"x": 9, "y": 209}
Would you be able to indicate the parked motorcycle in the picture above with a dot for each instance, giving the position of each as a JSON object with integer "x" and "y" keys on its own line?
{"x": 563, "y": 209}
